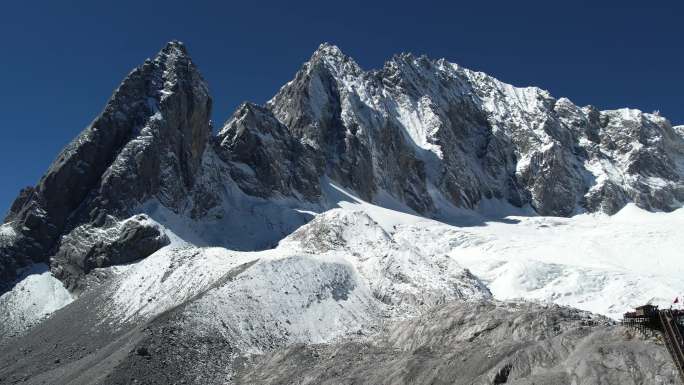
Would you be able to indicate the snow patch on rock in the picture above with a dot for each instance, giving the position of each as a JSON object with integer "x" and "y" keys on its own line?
{"x": 33, "y": 298}
{"x": 7, "y": 234}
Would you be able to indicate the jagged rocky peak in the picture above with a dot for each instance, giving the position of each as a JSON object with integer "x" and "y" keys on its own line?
{"x": 265, "y": 160}
{"x": 420, "y": 125}
{"x": 329, "y": 58}
{"x": 147, "y": 142}
{"x": 331, "y": 54}
{"x": 310, "y": 100}
{"x": 329, "y": 107}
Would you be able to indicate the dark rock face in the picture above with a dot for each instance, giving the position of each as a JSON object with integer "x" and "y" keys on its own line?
{"x": 546, "y": 176}
{"x": 364, "y": 150}
{"x": 148, "y": 141}
{"x": 265, "y": 159}
{"x": 88, "y": 247}
{"x": 164, "y": 156}
{"x": 420, "y": 125}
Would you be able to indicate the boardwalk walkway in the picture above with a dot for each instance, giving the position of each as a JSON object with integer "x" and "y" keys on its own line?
{"x": 673, "y": 339}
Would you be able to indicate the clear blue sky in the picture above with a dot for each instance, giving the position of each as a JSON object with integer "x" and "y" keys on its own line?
{"x": 61, "y": 60}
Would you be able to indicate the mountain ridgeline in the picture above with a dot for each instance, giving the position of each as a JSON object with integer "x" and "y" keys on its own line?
{"x": 426, "y": 134}
{"x": 328, "y": 236}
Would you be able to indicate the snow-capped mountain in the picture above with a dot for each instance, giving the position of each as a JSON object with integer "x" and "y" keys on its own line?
{"x": 349, "y": 206}
{"x": 429, "y": 132}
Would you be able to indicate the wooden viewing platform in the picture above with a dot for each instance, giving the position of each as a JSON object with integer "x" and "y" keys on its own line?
{"x": 669, "y": 322}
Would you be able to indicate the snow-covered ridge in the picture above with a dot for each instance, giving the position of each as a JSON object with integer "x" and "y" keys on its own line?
{"x": 400, "y": 280}
{"x": 422, "y": 136}
{"x": 463, "y": 136}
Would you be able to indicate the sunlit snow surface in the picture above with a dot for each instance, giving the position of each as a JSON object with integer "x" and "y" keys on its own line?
{"x": 358, "y": 263}
{"x": 7, "y": 234}
{"x": 33, "y": 298}
{"x": 598, "y": 263}
{"x": 604, "y": 264}
{"x": 339, "y": 274}
{"x": 37, "y": 294}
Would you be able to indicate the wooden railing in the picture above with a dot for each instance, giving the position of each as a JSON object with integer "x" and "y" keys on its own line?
{"x": 673, "y": 340}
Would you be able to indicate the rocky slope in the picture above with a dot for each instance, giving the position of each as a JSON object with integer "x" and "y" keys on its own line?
{"x": 153, "y": 248}
{"x": 478, "y": 343}
{"x": 196, "y": 313}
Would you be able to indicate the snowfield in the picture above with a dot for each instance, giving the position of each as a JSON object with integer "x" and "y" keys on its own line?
{"x": 355, "y": 265}
{"x": 604, "y": 264}
{"x": 595, "y": 262}
{"x": 341, "y": 273}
